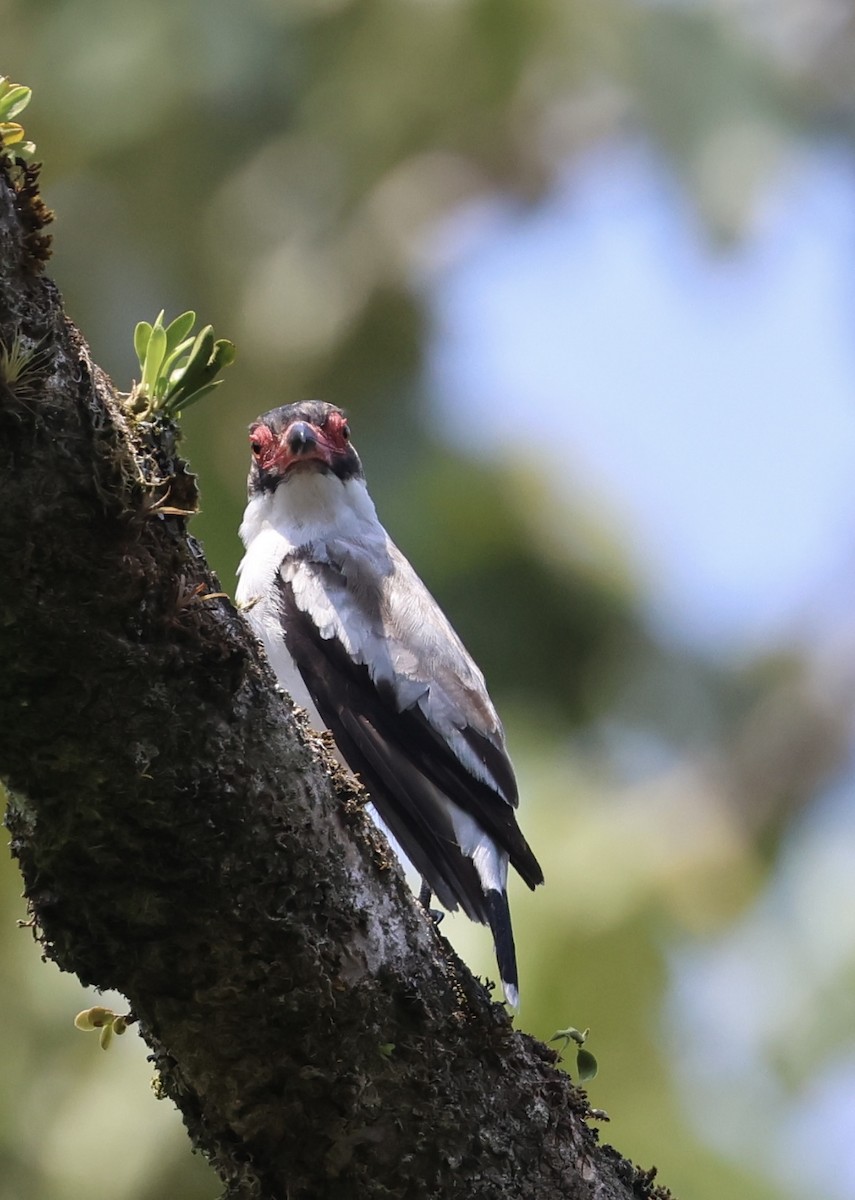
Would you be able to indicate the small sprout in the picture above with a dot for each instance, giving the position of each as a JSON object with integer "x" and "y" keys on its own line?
{"x": 106, "y": 1020}
{"x": 387, "y": 1049}
{"x": 93, "y": 1018}
{"x": 177, "y": 370}
{"x": 14, "y": 98}
{"x": 586, "y": 1064}
{"x": 569, "y": 1035}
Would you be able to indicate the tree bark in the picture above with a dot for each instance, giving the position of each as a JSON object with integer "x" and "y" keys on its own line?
{"x": 184, "y": 840}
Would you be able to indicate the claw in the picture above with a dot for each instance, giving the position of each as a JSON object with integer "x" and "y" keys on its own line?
{"x": 435, "y": 914}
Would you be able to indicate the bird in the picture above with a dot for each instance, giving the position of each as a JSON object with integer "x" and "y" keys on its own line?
{"x": 355, "y": 637}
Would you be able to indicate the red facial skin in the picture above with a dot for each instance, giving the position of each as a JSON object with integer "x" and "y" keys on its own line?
{"x": 274, "y": 454}
{"x": 263, "y": 444}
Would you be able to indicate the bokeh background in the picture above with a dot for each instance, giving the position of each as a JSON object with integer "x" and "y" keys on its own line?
{"x": 583, "y": 275}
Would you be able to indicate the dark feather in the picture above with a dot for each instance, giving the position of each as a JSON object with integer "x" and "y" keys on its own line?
{"x": 408, "y": 766}
{"x": 499, "y": 918}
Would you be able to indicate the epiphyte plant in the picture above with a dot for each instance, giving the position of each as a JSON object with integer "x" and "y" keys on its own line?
{"x": 177, "y": 369}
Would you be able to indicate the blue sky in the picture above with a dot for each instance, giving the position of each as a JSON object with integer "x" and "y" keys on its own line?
{"x": 707, "y": 393}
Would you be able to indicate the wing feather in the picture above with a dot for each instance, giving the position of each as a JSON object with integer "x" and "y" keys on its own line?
{"x": 368, "y": 596}
{"x": 419, "y": 732}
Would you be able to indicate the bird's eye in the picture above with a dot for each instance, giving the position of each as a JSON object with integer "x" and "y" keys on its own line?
{"x": 255, "y": 447}
{"x": 345, "y": 431}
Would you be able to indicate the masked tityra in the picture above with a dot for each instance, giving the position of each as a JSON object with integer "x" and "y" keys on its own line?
{"x": 356, "y": 638}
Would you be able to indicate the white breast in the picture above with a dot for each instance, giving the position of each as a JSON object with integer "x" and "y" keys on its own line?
{"x": 307, "y": 508}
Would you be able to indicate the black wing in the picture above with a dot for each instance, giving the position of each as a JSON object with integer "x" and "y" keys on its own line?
{"x": 408, "y": 767}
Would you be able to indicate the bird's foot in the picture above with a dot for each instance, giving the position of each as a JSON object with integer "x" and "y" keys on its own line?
{"x": 425, "y": 894}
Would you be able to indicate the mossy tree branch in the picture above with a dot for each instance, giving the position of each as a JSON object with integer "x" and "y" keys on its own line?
{"x": 184, "y": 841}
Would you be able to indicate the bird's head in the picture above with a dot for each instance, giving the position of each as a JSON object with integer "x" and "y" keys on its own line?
{"x": 307, "y": 437}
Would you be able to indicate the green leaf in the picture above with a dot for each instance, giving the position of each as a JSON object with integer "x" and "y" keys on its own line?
{"x": 172, "y": 367}
{"x": 586, "y": 1065}
{"x": 202, "y": 350}
{"x": 153, "y": 358}
{"x": 225, "y": 353}
{"x": 14, "y": 100}
{"x": 142, "y": 333}
{"x": 177, "y": 330}
{"x": 197, "y": 370}
{"x": 183, "y": 402}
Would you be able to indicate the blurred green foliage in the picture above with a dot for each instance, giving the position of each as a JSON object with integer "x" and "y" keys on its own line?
{"x": 283, "y": 167}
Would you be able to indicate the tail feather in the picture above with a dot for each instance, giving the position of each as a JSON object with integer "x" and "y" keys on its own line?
{"x": 499, "y": 916}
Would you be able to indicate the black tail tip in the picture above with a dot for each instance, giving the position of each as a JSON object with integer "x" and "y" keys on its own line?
{"x": 499, "y": 915}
